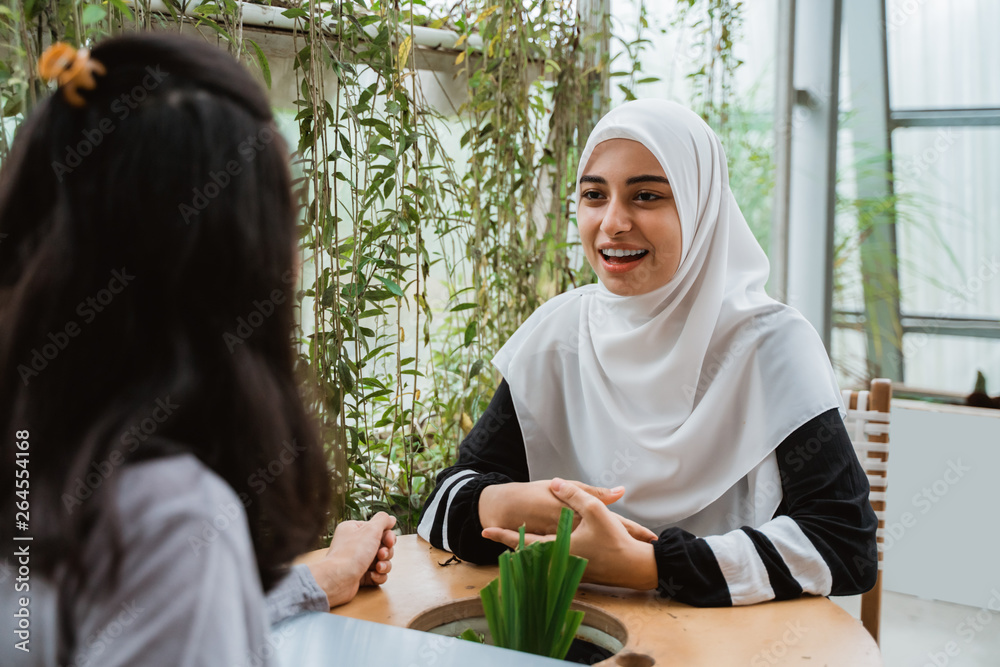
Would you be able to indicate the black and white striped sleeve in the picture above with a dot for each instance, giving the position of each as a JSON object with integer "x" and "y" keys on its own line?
{"x": 492, "y": 453}
{"x": 821, "y": 540}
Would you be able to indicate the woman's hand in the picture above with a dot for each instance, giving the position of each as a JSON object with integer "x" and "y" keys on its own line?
{"x": 615, "y": 557}
{"x": 533, "y": 505}
{"x": 360, "y": 554}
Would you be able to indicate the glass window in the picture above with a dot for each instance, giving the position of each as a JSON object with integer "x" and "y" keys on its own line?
{"x": 850, "y": 358}
{"x": 949, "y": 220}
{"x": 949, "y": 363}
{"x": 943, "y": 53}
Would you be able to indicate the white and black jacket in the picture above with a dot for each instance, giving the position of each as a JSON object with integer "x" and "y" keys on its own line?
{"x": 821, "y": 540}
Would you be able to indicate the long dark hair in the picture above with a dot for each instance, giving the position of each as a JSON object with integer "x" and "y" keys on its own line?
{"x": 147, "y": 262}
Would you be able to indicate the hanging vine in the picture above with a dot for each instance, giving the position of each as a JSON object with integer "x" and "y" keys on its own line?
{"x": 418, "y": 261}
{"x": 714, "y": 27}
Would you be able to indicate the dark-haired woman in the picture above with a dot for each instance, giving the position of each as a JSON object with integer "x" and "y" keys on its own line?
{"x": 159, "y": 468}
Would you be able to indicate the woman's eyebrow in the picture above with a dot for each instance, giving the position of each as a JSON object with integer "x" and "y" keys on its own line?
{"x": 632, "y": 180}
{"x": 646, "y": 179}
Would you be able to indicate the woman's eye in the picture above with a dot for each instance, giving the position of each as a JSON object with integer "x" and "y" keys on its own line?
{"x": 591, "y": 194}
{"x": 647, "y": 196}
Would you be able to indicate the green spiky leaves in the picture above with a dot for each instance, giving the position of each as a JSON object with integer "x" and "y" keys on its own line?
{"x": 528, "y": 606}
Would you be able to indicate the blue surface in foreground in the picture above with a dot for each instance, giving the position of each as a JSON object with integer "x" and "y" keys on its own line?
{"x": 326, "y": 640}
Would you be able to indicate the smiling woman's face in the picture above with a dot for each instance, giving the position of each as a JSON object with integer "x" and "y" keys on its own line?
{"x": 627, "y": 207}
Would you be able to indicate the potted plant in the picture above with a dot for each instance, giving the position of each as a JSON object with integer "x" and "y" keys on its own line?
{"x": 528, "y": 606}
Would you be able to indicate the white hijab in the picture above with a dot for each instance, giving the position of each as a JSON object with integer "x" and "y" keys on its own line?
{"x": 680, "y": 393}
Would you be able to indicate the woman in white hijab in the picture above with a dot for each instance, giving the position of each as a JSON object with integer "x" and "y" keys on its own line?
{"x": 711, "y": 406}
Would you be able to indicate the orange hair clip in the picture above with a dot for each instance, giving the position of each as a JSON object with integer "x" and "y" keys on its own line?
{"x": 71, "y": 68}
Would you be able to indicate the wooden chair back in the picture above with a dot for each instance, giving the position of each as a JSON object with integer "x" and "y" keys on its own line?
{"x": 868, "y": 424}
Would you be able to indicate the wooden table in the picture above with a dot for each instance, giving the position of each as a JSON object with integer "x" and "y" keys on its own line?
{"x": 810, "y": 631}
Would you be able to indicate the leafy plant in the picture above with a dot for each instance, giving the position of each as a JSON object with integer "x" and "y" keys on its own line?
{"x": 471, "y": 635}
{"x": 427, "y": 235}
{"x": 528, "y": 606}
{"x": 421, "y": 253}
{"x": 394, "y": 213}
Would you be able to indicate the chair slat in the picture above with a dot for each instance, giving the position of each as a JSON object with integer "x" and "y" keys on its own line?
{"x": 877, "y": 481}
{"x": 876, "y": 447}
{"x": 876, "y": 429}
{"x": 867, "y": 423}
{"x": 868, "y": 415}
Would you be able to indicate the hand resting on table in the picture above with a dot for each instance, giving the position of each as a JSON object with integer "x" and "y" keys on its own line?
{"x": 360, "y": 554}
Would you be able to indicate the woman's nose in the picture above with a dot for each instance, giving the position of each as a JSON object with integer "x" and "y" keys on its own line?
{"x": 616, "y": 218}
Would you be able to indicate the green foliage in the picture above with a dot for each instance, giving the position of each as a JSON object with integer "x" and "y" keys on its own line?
{"x": 419, "y": 258}
{"x": 392, "y": 208}
{"x": 426, "y": 239}
{"x": 471, "y": 635}
{"x": 528, "y": 605}
{"x": 717, "y": 25}
{"x": 748, "y": 137}
{"x": 980, "y": 387}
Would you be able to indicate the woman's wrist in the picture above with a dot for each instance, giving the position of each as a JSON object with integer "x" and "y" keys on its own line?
{"x": 329, "y": 574}
{"x": 640, "y": 570}
{"x": 491, "y": 504}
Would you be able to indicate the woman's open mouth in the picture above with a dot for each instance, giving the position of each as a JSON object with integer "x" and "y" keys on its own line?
{"x": 619, "y": 261}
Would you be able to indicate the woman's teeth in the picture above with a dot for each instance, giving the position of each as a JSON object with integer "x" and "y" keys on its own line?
{"x": 622, "y": 253}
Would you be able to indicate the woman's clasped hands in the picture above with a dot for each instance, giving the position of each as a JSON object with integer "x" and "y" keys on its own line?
{"x": 360, "y": 554}
{"x": 619, "y": 551}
